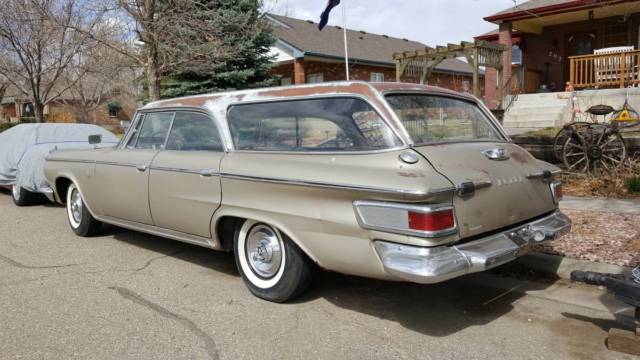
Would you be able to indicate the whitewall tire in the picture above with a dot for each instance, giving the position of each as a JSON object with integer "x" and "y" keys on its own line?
{"x": 271, "y": 265}
{"x": 80, "y": 219}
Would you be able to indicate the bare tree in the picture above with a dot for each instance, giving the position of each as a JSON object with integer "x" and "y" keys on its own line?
{"x": 102, "y": 74}
{"x": 38, "y": 43}
{"x": 169, "y": 33}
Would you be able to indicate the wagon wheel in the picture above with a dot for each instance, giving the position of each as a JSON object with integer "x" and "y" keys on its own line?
{"x": 563, "y": 135}
{"x": 595, "y": 147}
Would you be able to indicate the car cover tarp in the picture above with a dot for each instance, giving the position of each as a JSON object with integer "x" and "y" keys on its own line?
{"x": 23, "y": 149}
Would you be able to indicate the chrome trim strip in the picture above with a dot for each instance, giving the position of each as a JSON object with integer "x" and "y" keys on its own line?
{"x": 157, "y": 231}
{"x": 70, "y": 160}
{"x": 540, "y": 175}
{"x": 113, "y": 163}
{"x": 424, "y": 209}
{"x": 326, "y": 185}
{"x": 209, "y": 172}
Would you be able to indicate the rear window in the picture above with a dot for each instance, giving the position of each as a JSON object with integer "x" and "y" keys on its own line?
{"x": 317, "y": 125}
{"x": 435, "y": 119}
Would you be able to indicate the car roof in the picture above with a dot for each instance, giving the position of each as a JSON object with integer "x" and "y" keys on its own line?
{"x": 297, "y": 91}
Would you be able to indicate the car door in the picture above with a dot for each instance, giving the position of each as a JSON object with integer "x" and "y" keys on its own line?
{"x": 123, "y": 174}
{"x": 184, "y": 184}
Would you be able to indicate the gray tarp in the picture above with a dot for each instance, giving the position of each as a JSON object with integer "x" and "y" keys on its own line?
{"x": 24, "y": 147}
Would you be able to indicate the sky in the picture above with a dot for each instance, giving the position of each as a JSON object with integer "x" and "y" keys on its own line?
{"x": 432, "y": 22}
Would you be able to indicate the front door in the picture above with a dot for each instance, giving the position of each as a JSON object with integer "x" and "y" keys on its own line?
{"x": 125, "y": 171}
{"x": 580, "y": 43}
{"x": 184, "y": 184}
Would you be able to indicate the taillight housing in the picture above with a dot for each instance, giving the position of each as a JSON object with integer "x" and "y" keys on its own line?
{"x": 430, "y": 221}
{"x": 556, "y": 191}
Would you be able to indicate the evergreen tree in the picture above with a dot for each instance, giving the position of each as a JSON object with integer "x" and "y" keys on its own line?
{"x": 248, "y": 67}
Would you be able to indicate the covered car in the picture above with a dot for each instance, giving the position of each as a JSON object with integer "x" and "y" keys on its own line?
{"x": 24, "y": 147}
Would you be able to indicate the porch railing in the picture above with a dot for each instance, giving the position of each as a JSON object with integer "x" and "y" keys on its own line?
{"x": 609, "y": 70}
{"x": 510, "y": 90}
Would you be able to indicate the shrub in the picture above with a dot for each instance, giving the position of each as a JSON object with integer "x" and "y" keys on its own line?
{"x": 633, "y": 184}
{"x": 6, "y": 126}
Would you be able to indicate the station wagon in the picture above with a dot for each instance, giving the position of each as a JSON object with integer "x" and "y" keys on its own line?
{"x": 390, "y": 181}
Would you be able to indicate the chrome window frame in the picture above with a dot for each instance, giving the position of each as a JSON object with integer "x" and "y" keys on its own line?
{"x": 174, "y": 109}
{"x": 215, "y": 125}
{"x": 470, "y": 99}
{"x": 403, "y": 143}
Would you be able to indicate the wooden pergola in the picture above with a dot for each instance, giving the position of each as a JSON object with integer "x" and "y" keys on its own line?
{"x": 421, "y": 63}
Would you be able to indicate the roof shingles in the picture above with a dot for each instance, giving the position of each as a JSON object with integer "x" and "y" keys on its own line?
{"x": 363, "y": 46}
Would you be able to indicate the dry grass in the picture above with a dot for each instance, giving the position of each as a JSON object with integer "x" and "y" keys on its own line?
{"x": 604, "y": 184}
{"x": 599, "y": 236}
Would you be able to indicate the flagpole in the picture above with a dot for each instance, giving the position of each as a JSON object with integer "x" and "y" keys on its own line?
{"x": 346, "y": 45}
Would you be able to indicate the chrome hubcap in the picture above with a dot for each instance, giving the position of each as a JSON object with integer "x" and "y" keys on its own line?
{"x": 76, "y": 206}
{"x": 15, "y": 190}
{"x": 264, "y": 251}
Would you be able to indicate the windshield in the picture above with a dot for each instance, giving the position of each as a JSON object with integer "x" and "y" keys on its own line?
{"x": 435, "y": 119}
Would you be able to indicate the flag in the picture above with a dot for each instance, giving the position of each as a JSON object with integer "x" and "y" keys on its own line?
{"x": 324, "y": 18}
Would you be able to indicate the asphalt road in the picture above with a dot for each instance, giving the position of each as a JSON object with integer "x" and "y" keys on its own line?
{"x": 127, "y": 295}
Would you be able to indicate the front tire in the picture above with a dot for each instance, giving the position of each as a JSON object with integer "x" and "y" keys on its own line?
{"x": 22, "y": 197}
{"x": 80, "y": 219}
{"x": 271, "y": 265}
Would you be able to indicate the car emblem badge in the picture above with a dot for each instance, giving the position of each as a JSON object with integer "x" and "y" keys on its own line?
{"x": 498, "y": 154}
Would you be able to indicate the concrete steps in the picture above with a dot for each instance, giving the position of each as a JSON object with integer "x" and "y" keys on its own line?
{"x": 537, "y": 111}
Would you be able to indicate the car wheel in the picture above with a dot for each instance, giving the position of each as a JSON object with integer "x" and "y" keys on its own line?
{"x": 81, "y": 221}
{"x": 271, "y": 265}
{"x": 22, "y": 197}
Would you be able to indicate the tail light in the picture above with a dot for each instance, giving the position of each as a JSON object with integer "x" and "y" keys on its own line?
{"x": 416, "y": 220}
{"x": 556, "y": 191}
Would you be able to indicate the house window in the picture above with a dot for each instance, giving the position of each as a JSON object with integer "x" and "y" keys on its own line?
{"x": 285, "y": 81}
{"x": 377, "y": 77}
{"x": 315, "y": 78}
{"x": 466, "y": 86}
{"x": 516, "y": 55}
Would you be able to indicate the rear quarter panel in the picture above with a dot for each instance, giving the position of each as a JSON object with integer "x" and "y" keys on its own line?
{"x": 322, "y": 220}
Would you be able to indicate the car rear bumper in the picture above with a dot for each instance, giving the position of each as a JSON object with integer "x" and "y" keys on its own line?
{"x": 436, "y": 264}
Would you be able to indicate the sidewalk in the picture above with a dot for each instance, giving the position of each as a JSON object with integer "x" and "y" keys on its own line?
{"x": 601, "y": 205}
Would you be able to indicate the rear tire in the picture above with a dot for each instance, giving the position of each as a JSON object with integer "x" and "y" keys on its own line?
{"x": 80, "y": 219}
{"x": 271, "y": 265}
{"x": 22, "y": 197}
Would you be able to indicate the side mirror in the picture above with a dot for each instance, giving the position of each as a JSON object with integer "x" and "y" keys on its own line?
{"x": 125, "y": 124}
{"x": 95, "y": 139}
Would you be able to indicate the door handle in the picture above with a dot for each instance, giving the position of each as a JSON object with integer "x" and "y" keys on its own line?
{"x": 207, "y": 172}
{"x": 141, "y": 168}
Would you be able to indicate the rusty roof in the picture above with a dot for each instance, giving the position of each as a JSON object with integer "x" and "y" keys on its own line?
{"x": 296, "y": 91}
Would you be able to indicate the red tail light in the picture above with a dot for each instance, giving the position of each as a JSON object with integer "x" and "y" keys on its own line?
{"x": 422, "y": 220}
{"x": 433, "y": 221}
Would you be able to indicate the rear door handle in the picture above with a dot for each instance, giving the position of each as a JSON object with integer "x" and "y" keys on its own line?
{"x": 141, "y": 168}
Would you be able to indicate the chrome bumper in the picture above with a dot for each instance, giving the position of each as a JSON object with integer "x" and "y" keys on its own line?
{"x": 48, "y": 192}
{"x": 436, "y": 264}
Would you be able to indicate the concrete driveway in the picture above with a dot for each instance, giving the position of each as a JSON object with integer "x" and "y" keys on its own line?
{"x": 127, "y": 295}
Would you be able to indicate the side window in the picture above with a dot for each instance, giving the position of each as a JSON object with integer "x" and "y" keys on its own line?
{"x": 193, "y": 131}
{"x": 135, "y": 132}
{"x": 339, "y": 124}
{"x": 154, "y": 130}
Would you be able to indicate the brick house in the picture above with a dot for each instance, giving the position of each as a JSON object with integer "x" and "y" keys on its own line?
{"x": 15, "y": 107}
{"x": 306, "y": 55}
{"x": 593, "y": 44}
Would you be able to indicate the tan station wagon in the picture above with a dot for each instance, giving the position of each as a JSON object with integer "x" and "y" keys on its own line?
{"x": 388, "y": 181}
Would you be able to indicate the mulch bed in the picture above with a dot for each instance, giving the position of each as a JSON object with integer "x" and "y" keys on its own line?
{"x": 599, "y": 236}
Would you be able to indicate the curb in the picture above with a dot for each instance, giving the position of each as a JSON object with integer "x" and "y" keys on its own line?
{"x": 562, "y": 267}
